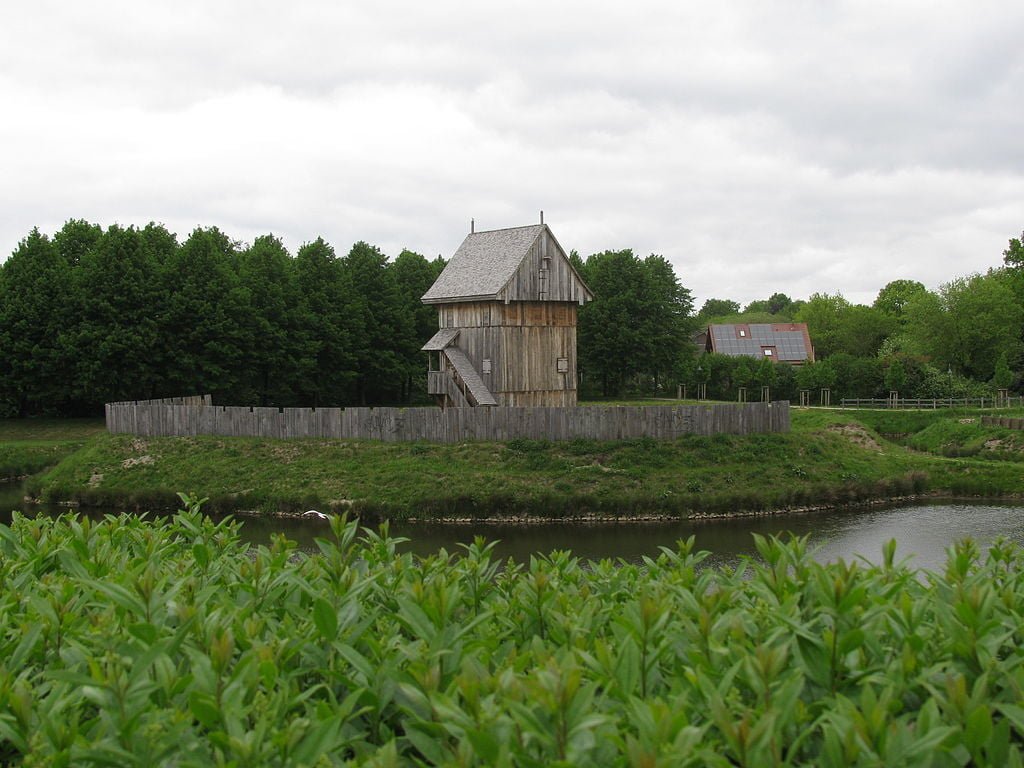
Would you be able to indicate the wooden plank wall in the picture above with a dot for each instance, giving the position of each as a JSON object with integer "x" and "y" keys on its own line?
{"x": 190, "y": 400}
{"x": 523, "y": 341}
{"x": 453, "y": 425}
{"x": 483, "y": 314}
{"x": 1006, "y": 422}
{"x": 523, "y": 359}
{"x": 551, "y": 279}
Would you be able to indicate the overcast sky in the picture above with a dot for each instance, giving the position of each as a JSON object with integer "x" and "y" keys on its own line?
{"x": 761, "y": 147}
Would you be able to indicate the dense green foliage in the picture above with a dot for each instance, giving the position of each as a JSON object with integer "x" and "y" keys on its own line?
{"x": 1013, "y": 256}
{"x": 713, "y": 308}
{"x": 967, "y": 324}
{"x": 92, "y": 316}
{"x": 136, "y": 643}
{"x": 951, "y": 342}
{"x": 639, "y": 327}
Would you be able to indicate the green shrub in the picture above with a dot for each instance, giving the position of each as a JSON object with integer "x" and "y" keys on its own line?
{"x": 134, "y": 642}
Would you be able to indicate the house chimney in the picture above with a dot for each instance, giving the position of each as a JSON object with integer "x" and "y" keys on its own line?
{"x": 472, "y": 226}
{"x": 542, "y": 217}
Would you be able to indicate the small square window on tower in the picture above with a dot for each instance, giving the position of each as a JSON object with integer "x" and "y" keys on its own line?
{"x": 563, "y": 365}
{"x": 486, "y": 365}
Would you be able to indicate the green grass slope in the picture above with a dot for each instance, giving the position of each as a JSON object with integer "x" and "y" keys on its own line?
{"x": 30, "y": 445}
{"x": 830, "y": 458}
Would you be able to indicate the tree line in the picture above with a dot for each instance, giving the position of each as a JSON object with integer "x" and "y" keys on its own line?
{"x": 92, "y": 315}
{"x": 964, "y": 339}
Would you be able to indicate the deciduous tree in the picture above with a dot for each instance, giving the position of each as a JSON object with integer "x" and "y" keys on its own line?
{"x": 895, "y": 375}
{"x": 270, "y": 357}
{"x": 387, "y": 340}
{"x": 862, "y": 330}
{"x": 33, "y": 315}
{"x": 414, "y": 275}
{"x": 204, "y": 329}
{"x": 1002, "y": 377}
{"x": 116, "y": 345}
{"x": 719, "y": 308}
{"x": 823, "y": 314}
{"x": 639, "y": 322}
{"x": 75, "y": 239}
{"x": 1013, "y": 256}
{"x": 328, "y": 327}
{"x": 967, "y": 324}
{"x": 893, "y": 298}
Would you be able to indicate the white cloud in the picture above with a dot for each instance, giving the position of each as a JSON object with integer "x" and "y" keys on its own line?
{"x": 761, "y": 147}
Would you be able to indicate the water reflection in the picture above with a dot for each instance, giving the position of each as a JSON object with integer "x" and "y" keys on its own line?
{"x": 10, "y": 498}
{"x": 922, "y": 532}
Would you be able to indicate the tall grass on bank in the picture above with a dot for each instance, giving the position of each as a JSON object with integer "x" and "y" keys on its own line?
{"x": 22, "y": 460}
{"x": 831, "y": 458}
{"x": 30, "y": 445}
{"x": 130, "y": 642}
{"x": 719, "y": 474}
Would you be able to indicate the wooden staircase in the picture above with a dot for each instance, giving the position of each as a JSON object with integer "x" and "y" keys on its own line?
{"x": 460, "y": 384}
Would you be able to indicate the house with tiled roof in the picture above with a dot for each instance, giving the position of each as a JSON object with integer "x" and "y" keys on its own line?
{"x": 506, "y": 307}
{"x": 779, "y": 342}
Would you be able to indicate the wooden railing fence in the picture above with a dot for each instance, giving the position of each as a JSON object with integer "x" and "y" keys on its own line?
{"x": 934, "y": 402}
{"x": 197, "y": 417}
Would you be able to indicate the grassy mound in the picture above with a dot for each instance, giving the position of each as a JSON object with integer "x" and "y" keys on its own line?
{"x": 830, "y": 458}
{"x": 968, "y": 437}
{"x": 630, "y": 478}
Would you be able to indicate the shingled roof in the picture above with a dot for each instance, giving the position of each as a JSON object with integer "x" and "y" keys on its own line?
{"x": 440, "y": 340}
{"x": 515, "y": 264}
{"x": 484, "y": 263}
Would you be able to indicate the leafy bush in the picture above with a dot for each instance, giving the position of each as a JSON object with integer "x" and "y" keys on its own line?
{"x": 941, "y": 384}
{"x": 135, "y": 642}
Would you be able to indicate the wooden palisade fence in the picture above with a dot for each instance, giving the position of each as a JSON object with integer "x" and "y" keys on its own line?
{"x": 1002, "y": 421}
{"x": 196, "y": 416}
{"x": 934, "y": 402}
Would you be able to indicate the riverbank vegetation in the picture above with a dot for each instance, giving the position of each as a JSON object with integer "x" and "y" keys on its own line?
{"x": 28, "y": 446}
{"x": 831, "y": 458}
{"x": 93, "y": 315}
{"x": 135, "y": 643}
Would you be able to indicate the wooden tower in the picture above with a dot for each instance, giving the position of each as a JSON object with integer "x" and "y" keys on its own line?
{"x": 506, "y": 308}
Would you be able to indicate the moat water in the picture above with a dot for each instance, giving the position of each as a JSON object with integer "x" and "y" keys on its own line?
{"x": 923, "y": 532}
